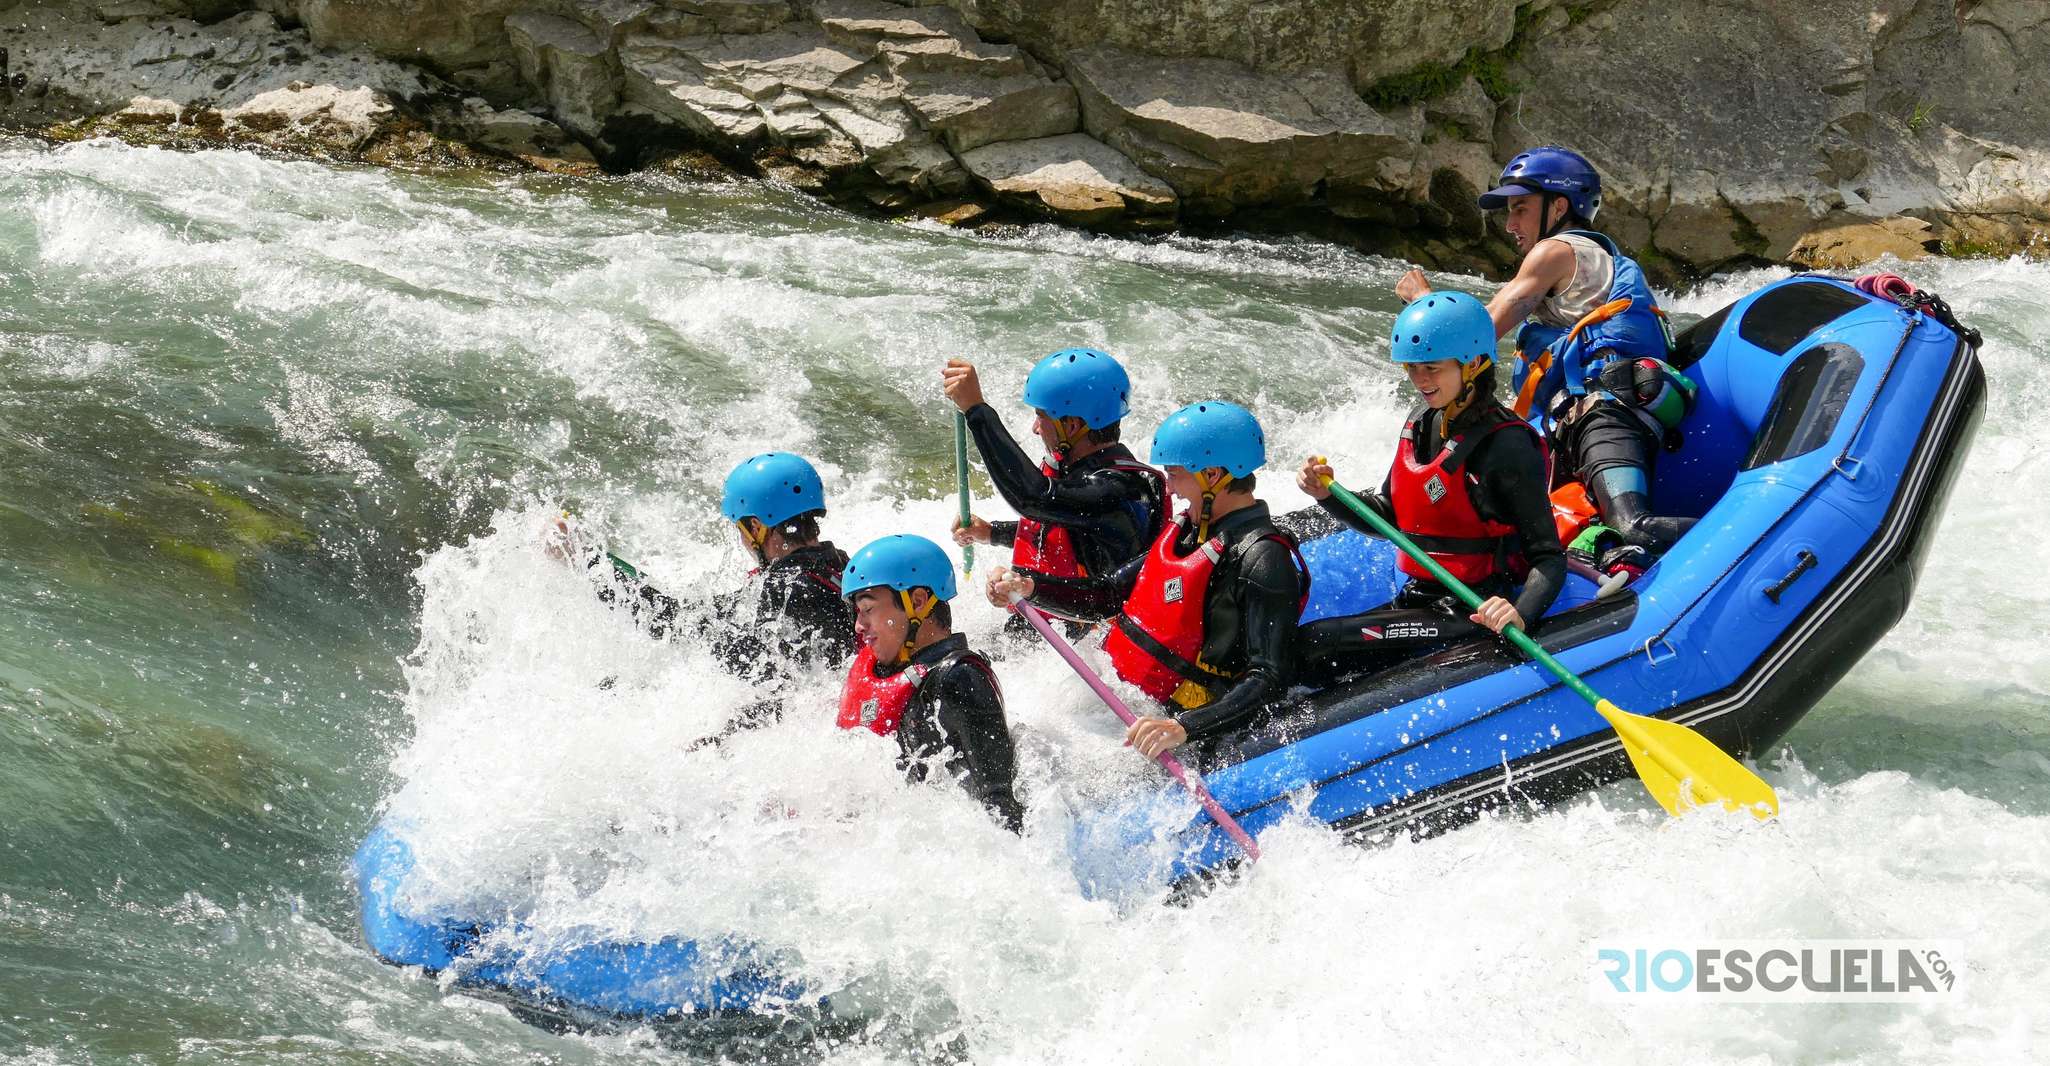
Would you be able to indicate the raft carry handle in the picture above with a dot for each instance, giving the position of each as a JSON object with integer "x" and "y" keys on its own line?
{"x": 1806, "y": 563}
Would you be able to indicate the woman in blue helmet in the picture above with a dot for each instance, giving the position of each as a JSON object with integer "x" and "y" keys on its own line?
{"x": 1468, "y": 485}
{"x": 1591, "y": 347}
{"x": 1205, "y": 618}
{"x": 790, "y": 613}
{"x": 1090, "y": 506}
{"x": 917, "y": 680}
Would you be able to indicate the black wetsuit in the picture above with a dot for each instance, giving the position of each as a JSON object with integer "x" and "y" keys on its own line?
{"x": 789, "y": 613}
{"x": 1254, "y": 601}
{"x": 1111, "y": 515}
{"x": 1610, "y": 449}
{"x": 956, "y": 721}
{"x": 788, "y": 617}
{"x": 1508, "y": 482}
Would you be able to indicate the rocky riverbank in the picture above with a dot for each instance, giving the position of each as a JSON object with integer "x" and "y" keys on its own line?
{"x": 1730, "y": 131}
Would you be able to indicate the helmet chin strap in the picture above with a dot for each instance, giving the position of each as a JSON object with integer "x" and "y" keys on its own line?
{"x": 1063, "y": 441}
{"x": 1469, "y": 373}
{"x": 757, "y": 537}
{"x": 917, "y": 616}
{"x": 1210, "y": 490}
{"x": 1551, "y": 229}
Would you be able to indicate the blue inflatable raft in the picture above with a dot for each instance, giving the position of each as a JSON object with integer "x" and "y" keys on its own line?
{"x": 1830, "y": 426}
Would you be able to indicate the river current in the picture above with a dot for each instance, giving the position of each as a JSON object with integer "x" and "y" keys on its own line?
{"x": 278, "y": 441}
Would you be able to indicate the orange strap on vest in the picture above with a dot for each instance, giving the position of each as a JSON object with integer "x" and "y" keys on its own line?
{"x": 1527, "y": 396}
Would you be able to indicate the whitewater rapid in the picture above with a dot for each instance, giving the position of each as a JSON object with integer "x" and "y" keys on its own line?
{"x": 421, "y": 372}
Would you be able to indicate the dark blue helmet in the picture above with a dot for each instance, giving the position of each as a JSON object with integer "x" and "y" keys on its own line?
{"x": 1550, "y": 169}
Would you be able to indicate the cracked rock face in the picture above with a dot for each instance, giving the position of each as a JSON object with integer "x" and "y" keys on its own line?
{"x": 897, "y": 93}
{"x": 1224, "y": 136}
{"x": 1752, "y": 130}
{"x": 244, "y": 80}
{"x": 1074, "y": 178}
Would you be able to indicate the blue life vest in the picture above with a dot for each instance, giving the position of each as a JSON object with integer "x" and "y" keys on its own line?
{"x": 1571, "y": 360}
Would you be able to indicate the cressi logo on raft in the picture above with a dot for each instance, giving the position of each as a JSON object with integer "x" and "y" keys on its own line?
{"x": 1767, "y": 971}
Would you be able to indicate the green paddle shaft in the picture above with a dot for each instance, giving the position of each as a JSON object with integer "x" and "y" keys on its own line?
{"x": 961, "y": 481}
{"x": 1466, "y": 595}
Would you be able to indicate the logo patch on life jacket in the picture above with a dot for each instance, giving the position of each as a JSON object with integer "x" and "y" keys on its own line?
{"x": 1171, "y": 591}
{"x": 1371, "y": 632}
{"x": 870, "y": 708}
{"x": 1435, "y": 488}
{"x": 1409, "y": 630}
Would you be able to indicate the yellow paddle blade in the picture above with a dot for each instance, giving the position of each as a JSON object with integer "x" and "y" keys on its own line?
{"x": 1682, "y": 769}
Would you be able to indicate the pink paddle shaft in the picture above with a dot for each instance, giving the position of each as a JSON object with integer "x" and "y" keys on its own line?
{"x": 1190, "y": 781}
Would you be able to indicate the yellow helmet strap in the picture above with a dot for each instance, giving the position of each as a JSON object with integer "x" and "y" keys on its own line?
{"x": 917, "y": 617}
{"x": 757, "y": 536}
{"x": 1210, "y": 490}
{"x": 1064, "y": 439}
{"x": 1469, "y": 373}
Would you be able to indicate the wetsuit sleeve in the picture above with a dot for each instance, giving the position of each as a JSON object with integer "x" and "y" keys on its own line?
{"x": 1067, "y": 501}
{"x": 1376, "y": 501}
{"x": 762, "y": 712}
{"x": 649, "y": 607}
{"x": 1002, "y": 533}
{"x": 1091, "y": 599}
{"x": 1269, "y": 595}
{"x": 963, "y": 724}
{"x": 1514, "y": 487}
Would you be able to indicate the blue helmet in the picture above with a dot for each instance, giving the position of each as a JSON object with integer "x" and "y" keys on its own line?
{"x": 1549, "y": 169}
{"x": 1444, "y": 325}
{"x": 1212, "y": 433}
{"x": 1081, "y": 383}
{"x": 773, "y": 488}
{"x": 902, "y": 561}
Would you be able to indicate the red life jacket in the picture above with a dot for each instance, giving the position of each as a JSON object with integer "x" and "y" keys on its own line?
{"x": 1434, "y": 507}
{"x": 1049, "y": 549}
{"x": 875, "y": 702}
{"x": 1157, "y": 643}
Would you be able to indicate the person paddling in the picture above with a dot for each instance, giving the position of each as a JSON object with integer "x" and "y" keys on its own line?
{"x": 1205, "y": 619}
{"x": 1090, "y": 506}
{"x": 788, "y": 617}
{"x": 917, "y": 680}
{"x": 1591, "y": 347}
{"x": 1467, "y": 485}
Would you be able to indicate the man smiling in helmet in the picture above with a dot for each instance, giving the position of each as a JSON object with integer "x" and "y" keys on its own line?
{"x": 1467, "y": 485}
{"x": 1591, "y": 347}
{"x": 916, "y": 679}
{"x": 791, "y": 613}
{"x": 1090, "y": 506}
{"x": 1206, "y": 617}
